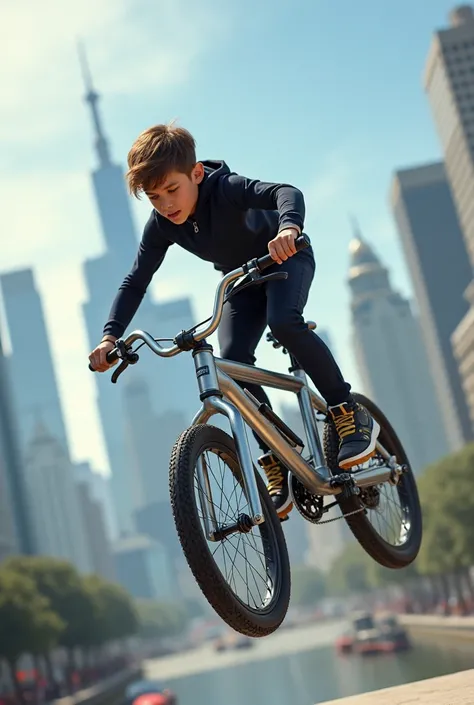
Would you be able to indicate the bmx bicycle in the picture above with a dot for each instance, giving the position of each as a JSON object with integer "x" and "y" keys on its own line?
{"x": 227, "y": 526}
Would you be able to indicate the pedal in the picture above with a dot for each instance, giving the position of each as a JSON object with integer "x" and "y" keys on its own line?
{"x": 397, "y": 470}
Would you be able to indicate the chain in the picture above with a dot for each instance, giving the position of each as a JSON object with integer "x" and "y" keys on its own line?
{"x": 343, "y": 516}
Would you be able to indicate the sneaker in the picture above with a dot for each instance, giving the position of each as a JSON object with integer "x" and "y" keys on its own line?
{"x": 277, "y": 486}
{"x": 357, "y": 431}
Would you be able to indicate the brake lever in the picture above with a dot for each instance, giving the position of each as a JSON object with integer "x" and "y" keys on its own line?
{"x": 257, "y": 280}
{"x": 128, "y": 357}
{"x": 121, "y": 368}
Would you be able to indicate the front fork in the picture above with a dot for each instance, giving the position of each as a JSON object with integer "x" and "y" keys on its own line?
{"x": 213, "y": 403}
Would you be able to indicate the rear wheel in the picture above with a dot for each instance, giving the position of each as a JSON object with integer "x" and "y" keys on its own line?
{"x": 245, "y": 576}
{"x": 387, "y": 519}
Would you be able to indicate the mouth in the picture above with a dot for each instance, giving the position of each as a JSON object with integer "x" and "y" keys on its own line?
{"x": 174, "y": 216}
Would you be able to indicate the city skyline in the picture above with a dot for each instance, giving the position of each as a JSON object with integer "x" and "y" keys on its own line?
{"x": 392, "y": 357}
{"x": 45, "y": 462}
{"x": 448, "y": 81}
{"x": 436, "y": 256}
{"x": 333, "y": 161}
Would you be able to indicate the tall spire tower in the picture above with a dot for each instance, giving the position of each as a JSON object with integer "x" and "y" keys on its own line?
{"x": 170, "y": 390}
{"x": 355, "y": 227}
{"x": 113, "y": 203}
{"x": 92, "y": 98}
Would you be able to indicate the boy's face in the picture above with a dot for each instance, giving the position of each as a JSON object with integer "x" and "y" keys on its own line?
{"x": 177, "y": 196}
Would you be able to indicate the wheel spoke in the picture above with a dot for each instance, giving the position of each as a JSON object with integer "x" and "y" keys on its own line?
{"x": 241, "y": 558}
{"x": 386, "y": 510}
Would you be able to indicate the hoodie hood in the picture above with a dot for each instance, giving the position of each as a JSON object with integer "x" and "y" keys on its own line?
{"x": 213, "y": 169}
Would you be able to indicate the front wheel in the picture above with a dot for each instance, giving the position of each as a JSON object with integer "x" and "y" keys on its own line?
{"x": 245, "y": 576}
{"x": 385, "y": 519}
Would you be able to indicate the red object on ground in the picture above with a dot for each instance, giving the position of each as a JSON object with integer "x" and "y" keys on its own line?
{"x": 151, "y": 699}
{"x": 344, "y": 644}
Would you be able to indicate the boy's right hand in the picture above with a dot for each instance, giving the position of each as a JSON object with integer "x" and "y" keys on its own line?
{"x": 97, "y": 358}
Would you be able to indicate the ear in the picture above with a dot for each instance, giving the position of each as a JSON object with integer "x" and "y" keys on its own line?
{"x": 197, "y": 173}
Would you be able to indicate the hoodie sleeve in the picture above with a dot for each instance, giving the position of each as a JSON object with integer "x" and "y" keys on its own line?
{"x": 246, "y": 193}
{"x": 151, "y": 253}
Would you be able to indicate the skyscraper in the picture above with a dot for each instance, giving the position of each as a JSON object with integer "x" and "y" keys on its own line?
{"x": 34, "y": 382}
{"x": 99, "y": 545}
{"x": 37, "y": 403}
{"x": 171, "y": 382}
{"x": 436, "y": 256}
{"x": 142, "y": 568}
{"x": 54, "y": 501}
{"x": 392, "y": 359}
{"x": 151, "y": 439}
{"x": 449, "y": 81}
{"x": 15, "y": 526}
{"x": 99, "y": 487}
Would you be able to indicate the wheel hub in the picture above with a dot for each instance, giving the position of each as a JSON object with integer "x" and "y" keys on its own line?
{"x": 370, "y": 496}
{"x": 243, "y": 525}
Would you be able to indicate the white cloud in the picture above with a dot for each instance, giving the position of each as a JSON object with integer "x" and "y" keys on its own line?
{"x": 48, "y": 218}
{"x": 136, "y": 45}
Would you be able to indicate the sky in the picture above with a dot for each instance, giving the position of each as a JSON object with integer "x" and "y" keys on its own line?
{"x": 324, "y": 95}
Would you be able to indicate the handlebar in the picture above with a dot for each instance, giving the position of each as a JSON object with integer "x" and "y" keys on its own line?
{"x": 262, "y": 263}
{"x": 254, "y": 267}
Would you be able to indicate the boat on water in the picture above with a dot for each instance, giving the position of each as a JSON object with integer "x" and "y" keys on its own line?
{"x": 368, "y": 634}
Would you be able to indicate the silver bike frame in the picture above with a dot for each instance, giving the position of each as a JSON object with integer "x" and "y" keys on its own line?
{"x": 222, "y": 395}
{"x": 217, "y": 377}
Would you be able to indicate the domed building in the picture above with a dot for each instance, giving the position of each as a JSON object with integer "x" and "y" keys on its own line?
{"x": 391, "y": 357}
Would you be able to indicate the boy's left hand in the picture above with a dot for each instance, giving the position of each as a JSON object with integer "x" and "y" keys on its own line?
{"x": 283, "y": 245}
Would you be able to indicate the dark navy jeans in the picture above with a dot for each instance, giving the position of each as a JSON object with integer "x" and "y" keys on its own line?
{"x": 279, "y": 304}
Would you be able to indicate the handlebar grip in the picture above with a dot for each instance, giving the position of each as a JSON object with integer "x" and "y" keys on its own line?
{"x": 301, "y": 243}
{"x": 111, "y": 357}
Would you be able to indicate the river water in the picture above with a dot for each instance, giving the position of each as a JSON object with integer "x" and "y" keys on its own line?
{"x": 276, "y": 672}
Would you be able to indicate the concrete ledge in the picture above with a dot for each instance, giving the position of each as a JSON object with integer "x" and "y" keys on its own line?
{"x": 456, "y": 689}
{"x": 435, "y": 625}
{"x": 433, "y": 620}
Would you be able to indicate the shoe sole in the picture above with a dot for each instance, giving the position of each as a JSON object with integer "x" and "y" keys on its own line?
{"x": 283, "y": 511}
{"x": 368, "y": 452}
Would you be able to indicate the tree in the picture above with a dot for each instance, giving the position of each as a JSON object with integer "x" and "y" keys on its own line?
{"x": 349, "y": 572}
{"x": 160, "y": 619}
{"x": 27, "y": 622}
{"x": 448, "y": 507}
{"x": 115, "y": 614}
{"x": 379, "y": 576}
{"x": 61, "y": 584}
{"x": 308, "y": 586}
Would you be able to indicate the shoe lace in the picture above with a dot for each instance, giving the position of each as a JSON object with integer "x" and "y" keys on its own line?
{"x": 274, "y": 476}
{"x": 345, "y": 424}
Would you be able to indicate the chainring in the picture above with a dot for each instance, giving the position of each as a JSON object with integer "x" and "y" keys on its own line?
{"x": 310, "y": 506}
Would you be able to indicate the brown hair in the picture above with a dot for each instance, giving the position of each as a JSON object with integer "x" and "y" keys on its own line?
{"x": 156, "y": 152}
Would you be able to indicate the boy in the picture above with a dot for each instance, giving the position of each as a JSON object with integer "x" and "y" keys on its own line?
{"x": 228, "y": 220}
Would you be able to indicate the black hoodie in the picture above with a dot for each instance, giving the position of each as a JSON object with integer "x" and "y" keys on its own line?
{"x": 234, "y": 220}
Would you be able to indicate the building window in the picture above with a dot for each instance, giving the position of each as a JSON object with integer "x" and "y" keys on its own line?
{"x": 444, "y": 111}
